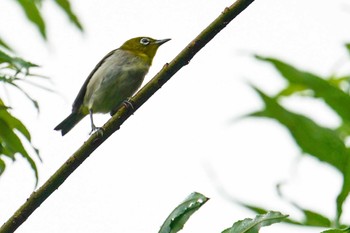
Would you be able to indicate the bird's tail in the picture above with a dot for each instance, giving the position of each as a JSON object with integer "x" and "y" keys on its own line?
{"x": 67, "y": 124}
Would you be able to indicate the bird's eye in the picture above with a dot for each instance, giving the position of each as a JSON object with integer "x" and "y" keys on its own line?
{"x": 145, "y": 41}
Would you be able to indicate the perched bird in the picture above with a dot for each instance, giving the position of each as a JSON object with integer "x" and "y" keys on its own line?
{"x": 114, "y": 79}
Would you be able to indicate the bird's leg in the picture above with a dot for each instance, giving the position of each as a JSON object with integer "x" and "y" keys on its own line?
{"x": 93, "y": 127}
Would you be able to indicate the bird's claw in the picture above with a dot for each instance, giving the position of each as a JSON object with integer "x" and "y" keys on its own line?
{"x": 98, "y": 130}
{"x": 128, "y": 104}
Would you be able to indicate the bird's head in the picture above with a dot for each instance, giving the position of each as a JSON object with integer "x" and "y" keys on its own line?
{"x": 143, "y": 46}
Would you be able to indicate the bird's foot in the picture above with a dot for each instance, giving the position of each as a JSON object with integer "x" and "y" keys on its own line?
{"x": 128, "y": 104}
{"x": 98, "y": 130}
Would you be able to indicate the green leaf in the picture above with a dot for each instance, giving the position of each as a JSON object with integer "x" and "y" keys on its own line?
{"x": 311, "y": 218}
{"x": 14, "y": 145}
{"x": 342, "y": 196}
{"x": 4, "y": 57}
{"x": 334, "y": 97}
{"x": 2, "y": 165}
{"x": 315, "y": 219}
{"x": 16, "y": 63}
{"x": 13, "y": 122}
{"x": 5, "y": 45}
{"x": 320, "y": 142}
{"x": 33, "y": 14}
{"x": 34, "y": 102}
{"x": 66, "y": 7}
{"x": 347, "y": 230}
{"x": 10, "y": 142}
{"x": 256, "y": 209}
{"x": 347, "y": 46}
{"x": 323, "y": 143}
{"x": 249, "y": 225}
{"x": 177, "y": 219}
{"x": 261, "y": 210}
{"x": 292, "y": 89}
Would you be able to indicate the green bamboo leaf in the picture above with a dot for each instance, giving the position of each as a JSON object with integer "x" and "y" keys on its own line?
{"x": 334, "y": 97}
{"x": 16, "y": 63}
{"x": 2, "y": 165}
{"x": 66, "y": 7}
{"x": 338, "y": 81}
{"x": 13, "y": 144}
{"x": 249, "y": 225}
{"x": 347, "y": 46}
{"x": 311, "y": 218}
{"x": 5, "y": 45}
{"x": 315, "y": 219}
{"x": 342, "y": 196}
{"x": 34, "y": 102}
{"x": 177, "y": 219}
{"x": 320, "y": 142}
{"x": 254, "y": 208}
{"x": 4, "y": 57}
{"x": 33, "y": 14}
{"x": 292, "y": 89}
{"x": 13, "y": 122}
{"x": 347, "y": 230}
{"x": 262, "y": 210}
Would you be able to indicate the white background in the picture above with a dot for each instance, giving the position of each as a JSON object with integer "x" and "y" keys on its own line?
{"x": 187, "y": 137}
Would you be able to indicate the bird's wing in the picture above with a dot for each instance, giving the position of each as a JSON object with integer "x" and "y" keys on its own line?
{"x": 80, "y": 97}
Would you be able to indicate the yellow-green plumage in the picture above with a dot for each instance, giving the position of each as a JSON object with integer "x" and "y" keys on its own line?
{"x": 115, "y": 78}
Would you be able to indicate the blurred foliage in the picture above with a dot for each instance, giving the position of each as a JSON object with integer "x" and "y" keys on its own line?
{"x": 13, "y": 71}
{"x": 10, "y": 143}
{"x": 328, "y": 145}
{"x": 181, "y": 214}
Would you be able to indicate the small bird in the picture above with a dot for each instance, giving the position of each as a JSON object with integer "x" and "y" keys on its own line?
{"x": 114, "y": 79}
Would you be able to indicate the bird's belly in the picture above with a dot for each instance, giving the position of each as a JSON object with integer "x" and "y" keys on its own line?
{"x": 115, "y": 88}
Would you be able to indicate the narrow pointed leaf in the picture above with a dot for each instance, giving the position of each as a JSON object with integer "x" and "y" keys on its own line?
{"x": 344, "y": 193}
{"x": 13, "y": 122}
{"x": 16, "y": 63}
{"x": 177, "y": 219}
{"x": 34, "y": 102}
{"x": 2, "y": 165}
{"x": 4, "y": 57}
{"x": 33, "y": 14}
{"x": 334, "y": 97}
{"x": 66, "y": 7}
{"x": 347, "y": 46}
{"x": 14, "y": 145}
{"x": 292, "y": 89}
{"x": 5, "y": 45}
{"x": 315, "y": 219}
{"x": 347, "y": 230}
{"x": 249, "y": 225}
{"x": 320, "y": 142}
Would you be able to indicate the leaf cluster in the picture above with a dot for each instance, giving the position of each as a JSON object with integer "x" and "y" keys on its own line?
{"x": 328, "y": 145}
{"x": 181, "y": 214}
{"x": 15, "y": 70}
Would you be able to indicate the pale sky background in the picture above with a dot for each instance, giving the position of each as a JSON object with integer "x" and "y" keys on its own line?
{"x": 183, "y": 139}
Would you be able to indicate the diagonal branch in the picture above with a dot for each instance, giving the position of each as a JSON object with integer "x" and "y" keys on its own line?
{"x": 182, "y": 59}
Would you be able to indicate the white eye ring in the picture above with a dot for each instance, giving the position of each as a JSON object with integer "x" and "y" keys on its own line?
{"x": 145, "y": 41}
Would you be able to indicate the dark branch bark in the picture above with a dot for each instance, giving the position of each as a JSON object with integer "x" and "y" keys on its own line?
{"x": 182, "y": 59}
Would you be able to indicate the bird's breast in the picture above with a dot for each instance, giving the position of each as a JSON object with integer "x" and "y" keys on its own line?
{"x": 117, "y": 79}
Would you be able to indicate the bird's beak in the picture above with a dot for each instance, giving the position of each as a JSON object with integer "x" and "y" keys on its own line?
{"x": 160, "y": 42}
